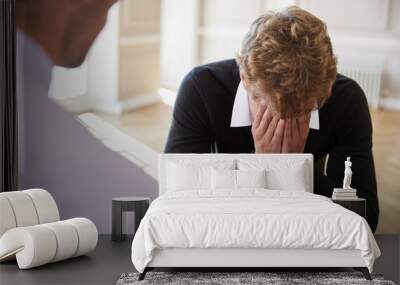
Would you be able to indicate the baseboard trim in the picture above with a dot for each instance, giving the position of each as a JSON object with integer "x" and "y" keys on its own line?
{"x": 76, "y": 105}
{"x": 390, "y": 104}
{"x": 140, "y": 101}
{"x": 129, "y": 104}
{"x": 109, "y": 108}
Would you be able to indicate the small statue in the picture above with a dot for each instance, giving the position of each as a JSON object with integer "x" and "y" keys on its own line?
{"x": 347, "y": 174}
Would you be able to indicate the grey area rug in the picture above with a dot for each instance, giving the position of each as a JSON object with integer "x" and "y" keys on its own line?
{"x": 229, "y": 278}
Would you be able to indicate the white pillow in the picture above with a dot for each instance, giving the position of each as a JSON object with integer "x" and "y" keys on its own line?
{"x": 228, "y": 179}
{"x": 182, "y": 177}
{"x": 251, "y": 178}
{"x": 223, "y": 179}
{"x": 293, "y": 179}
{"x": 281, "y": 175}
{"x": 193, "y": 175}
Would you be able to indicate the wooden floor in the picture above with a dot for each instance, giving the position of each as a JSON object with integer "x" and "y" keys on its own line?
{"x": 151, "y": 125}
{"x": 148, "y": 124}
{"x": 386, "y": 148}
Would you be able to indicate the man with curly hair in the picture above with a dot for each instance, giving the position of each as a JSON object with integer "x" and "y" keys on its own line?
{"x": 282, "y": 94}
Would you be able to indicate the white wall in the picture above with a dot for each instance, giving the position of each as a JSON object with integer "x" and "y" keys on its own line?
{"x": 103, "y": 69}
{"x": 179, "y": 47}
{"x": 363, "y": 32}
{"x": 122, "y": 68}
{"x": 139, "y": 62}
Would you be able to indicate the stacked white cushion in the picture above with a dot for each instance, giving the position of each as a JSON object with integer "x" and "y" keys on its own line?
{"x": 188, "y": 177}
{"x": 223, "y": 179}
{"x": 251, "y": 178}
{"x": 31, "y": 232}
{"x": 186, "y": 174}
{"x": 281, "y": 175}
{"x": 256, "y": 172}
{"x": 227, "y": 179}
{"x": 283, "y": 171}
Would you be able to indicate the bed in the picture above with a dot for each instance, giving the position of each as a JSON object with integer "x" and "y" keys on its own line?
{"x": 246, "y": 211}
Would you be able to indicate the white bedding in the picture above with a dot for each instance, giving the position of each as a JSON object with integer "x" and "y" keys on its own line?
{"x": 251, "y": 218}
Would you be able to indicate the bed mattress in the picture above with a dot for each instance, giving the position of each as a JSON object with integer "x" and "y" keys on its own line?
{"x": 250, "y": 219}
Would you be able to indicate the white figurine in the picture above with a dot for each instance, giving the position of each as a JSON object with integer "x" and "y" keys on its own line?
{"x": 347, "y": 174}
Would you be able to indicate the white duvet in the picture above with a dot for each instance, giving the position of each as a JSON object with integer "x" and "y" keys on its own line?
{"x": 252, "y": 218}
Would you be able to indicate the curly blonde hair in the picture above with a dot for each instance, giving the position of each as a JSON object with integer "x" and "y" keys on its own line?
{"x": 288, "y": 55}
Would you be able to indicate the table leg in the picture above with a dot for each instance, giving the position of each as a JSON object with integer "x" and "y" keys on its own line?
{"x": 140, "y": 211}
{"x": 117, "y": 222}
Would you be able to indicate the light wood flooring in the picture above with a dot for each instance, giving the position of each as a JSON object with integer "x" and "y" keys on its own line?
{"x": 149, "y": 125}
{"x": 386, "y": 148}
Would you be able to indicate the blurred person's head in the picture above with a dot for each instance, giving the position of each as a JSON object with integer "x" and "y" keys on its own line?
{"x": 286, "y": 61}
{"x": 64, "y": 28}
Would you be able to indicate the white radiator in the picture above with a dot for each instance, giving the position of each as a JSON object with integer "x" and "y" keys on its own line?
{"x": 368, "y": 78}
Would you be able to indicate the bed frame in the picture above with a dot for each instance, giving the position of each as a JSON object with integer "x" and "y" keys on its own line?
{"x": 247, "y": 259}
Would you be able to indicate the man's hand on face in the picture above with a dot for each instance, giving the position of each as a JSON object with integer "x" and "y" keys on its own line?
{"x": 296, "y": 132}
{"x": 274, "y": 135}
{"x": 268, "y": 131}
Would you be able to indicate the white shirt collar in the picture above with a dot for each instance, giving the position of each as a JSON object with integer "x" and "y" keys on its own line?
{"x": 241, "y": 116}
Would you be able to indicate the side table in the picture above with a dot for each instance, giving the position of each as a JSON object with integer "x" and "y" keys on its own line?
{"x": 139, "y": 205}
{"x": 357, "y": 205}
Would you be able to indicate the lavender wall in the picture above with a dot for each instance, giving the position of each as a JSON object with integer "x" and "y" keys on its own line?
{"x": 79, "y": 171}
{"x": 58, "y": 154}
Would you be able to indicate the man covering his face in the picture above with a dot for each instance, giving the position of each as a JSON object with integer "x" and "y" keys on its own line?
{"x": 282, "y": 94}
